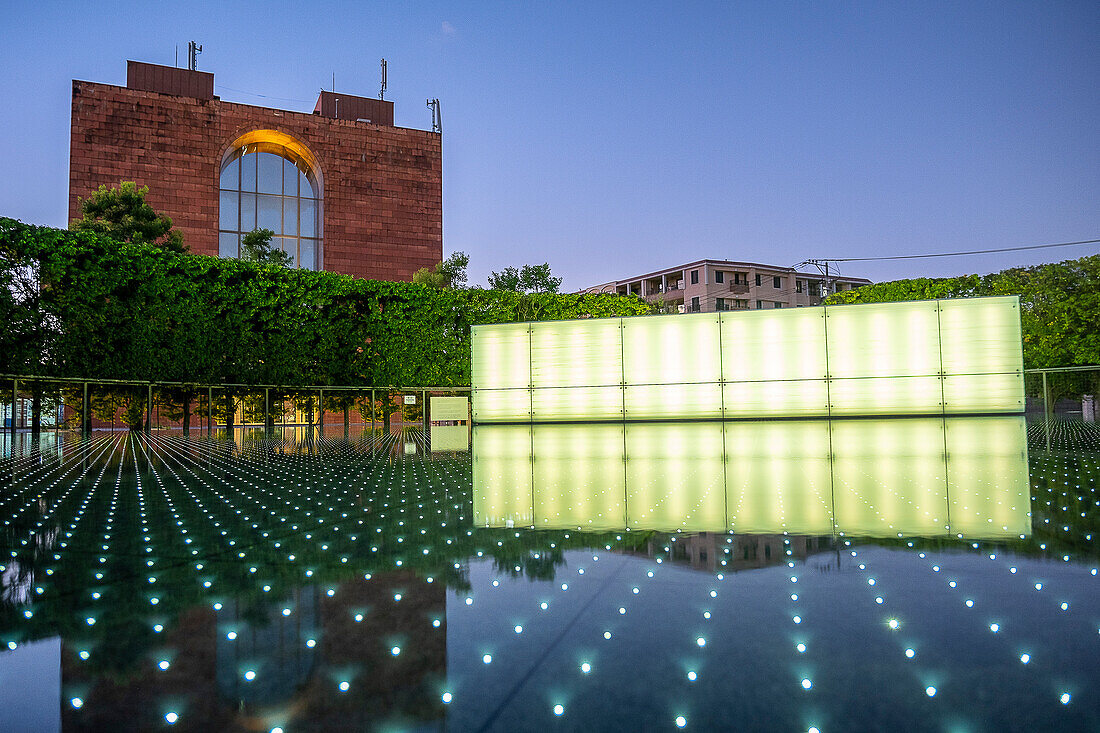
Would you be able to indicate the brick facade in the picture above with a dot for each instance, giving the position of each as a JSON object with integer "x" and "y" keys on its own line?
{"x": 383, "y": 205}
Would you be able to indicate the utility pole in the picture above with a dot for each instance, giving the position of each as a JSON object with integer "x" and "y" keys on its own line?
{"x": 823, "y": 268}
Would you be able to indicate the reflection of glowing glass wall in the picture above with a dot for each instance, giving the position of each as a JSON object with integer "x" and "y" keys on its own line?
{"x": 918, "y": 476}
{"x": 916, "y": 358}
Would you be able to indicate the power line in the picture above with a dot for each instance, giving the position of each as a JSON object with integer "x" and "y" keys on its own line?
{"x": 265, "y": 96}
{"x": 957, "y": 254}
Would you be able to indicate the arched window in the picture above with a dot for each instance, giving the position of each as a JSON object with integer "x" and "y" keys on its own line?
{"x": 267, "y": 182}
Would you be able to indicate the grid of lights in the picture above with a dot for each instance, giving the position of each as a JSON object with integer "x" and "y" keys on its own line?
{"x": 915, "y": 358}
{"x": 333, "y": 566}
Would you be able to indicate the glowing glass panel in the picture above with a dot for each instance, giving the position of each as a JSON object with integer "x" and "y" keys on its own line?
{"x": 914, "y": 358}
{"x": 671, "y": 350}
{"x": 883, "y": 340}
{"x": 664, "y": 401}
{"x": 980, "y": 335}
{"x": 584, "y": 353}
{"x": 804, "y": 398}
{"x": 501, "y": 405}
{"x": 559, "y": 404}
{"x": 886, "y": 396}
{"x": 770, "y": 345}
{"x": 974, "y": 393}
{"x": 501, "y": 356}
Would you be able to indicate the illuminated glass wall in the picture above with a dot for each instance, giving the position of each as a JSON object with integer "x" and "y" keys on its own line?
{"x": 926, "y": 476}
{"x": 916, "y": 358}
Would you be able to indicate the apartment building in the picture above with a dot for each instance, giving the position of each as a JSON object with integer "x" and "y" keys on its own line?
{"x": 719, "y": 285}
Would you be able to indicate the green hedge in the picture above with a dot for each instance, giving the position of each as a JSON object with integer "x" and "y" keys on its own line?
{"x": 1059, "y": 303}
{"x": 122, "y": 311}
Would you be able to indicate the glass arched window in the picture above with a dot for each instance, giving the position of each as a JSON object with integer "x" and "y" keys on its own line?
{"x": 265, "y": 185}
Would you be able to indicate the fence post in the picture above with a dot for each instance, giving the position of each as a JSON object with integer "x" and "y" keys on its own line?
{"x": 149, "y": 408}
{"x": 85, "y": 427}
{"x": 209, "y": 410}
{"x": 1047, "y": 410}
{"x": 372, "y": 411}
{"x": 424, "y": 410}
{"x": 14, "y": 401}
{"x": 267, "y": 409}
{"x": 321, "y": 413}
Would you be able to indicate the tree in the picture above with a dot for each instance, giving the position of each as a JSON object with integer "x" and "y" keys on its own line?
{"x": 454, "y": 269}
{"x": 528, "y": 279}
{"x": 122, "y": 214}
{"x": 431, "y": 278}
{"x": 256, "y": 247}
{"x": 506, "y": 279}
{"x": 450, "y": 273}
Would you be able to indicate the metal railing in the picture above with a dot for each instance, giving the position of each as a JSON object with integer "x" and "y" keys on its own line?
{"x": 1053, "y": 393}
{"x": 1063, "y": 407}
{"x": 40, "y": 387}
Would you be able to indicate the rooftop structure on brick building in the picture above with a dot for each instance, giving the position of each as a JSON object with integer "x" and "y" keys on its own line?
{"x": 342, "y": 188}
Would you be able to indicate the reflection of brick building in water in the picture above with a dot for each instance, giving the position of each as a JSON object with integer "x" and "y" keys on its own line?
{"x": 720, "y": 552}
{"x": 295, "y": 685}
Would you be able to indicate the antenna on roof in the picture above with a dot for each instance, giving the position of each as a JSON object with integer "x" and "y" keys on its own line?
{"x": 382, "y": 91}
{"x": 193, "y": 50}
{"x": 437, "y": 116}
{"x": 334, "y": 81}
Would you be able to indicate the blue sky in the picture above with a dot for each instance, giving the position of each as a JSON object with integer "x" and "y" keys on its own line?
{"x": 611, "y": 139}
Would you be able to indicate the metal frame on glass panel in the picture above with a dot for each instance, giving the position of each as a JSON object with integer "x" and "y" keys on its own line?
{"x": 269, "y": 186}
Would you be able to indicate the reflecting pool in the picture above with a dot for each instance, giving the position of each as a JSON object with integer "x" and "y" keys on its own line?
{"x": 916, "y": 574}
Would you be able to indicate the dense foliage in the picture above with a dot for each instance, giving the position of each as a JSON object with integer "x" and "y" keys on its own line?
{"x": 136, "y": 311}
{"x": 1059, "y": 304}
{"x": 122, "y": 213}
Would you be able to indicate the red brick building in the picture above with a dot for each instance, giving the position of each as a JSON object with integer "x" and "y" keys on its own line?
{"x": 343, "y": 189}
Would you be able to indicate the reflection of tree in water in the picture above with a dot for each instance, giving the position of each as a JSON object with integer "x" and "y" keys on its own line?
{"x": 532, "y": 564}
{"x": 17, "y": 578}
